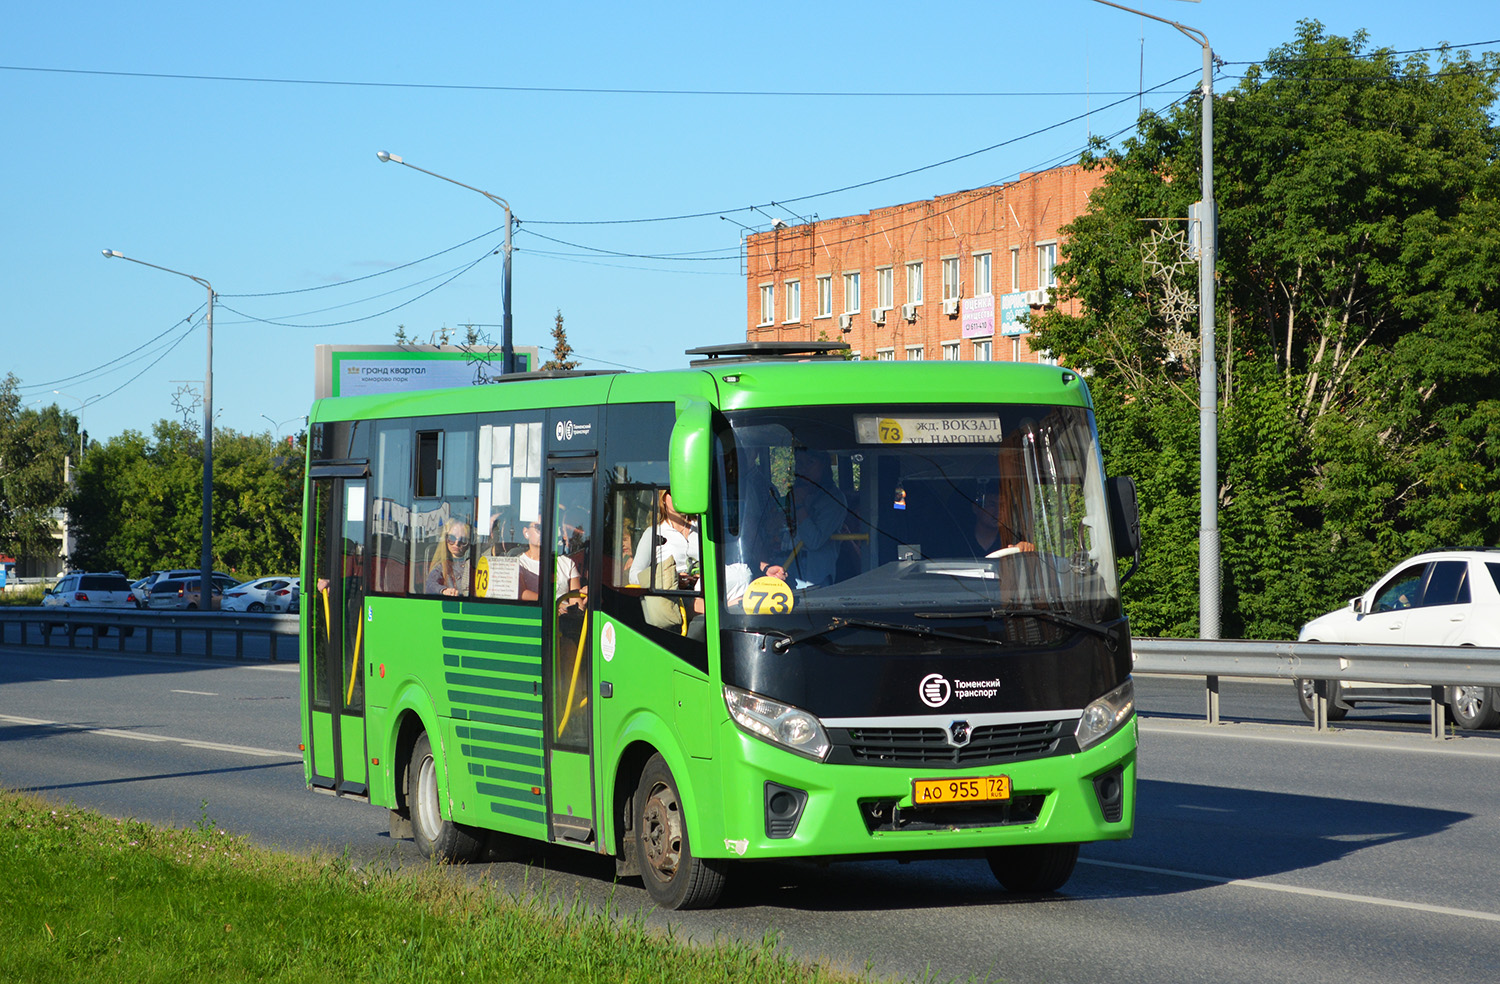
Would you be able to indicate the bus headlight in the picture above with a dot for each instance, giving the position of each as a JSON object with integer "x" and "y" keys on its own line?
{"x": 1106, "y": 714}
{"x": 780, "y": 724}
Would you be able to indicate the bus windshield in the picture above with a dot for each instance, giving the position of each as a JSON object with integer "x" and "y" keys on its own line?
{"x": 916, "y": 512}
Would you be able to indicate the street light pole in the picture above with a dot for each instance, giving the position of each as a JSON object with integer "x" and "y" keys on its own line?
{"x": 507, "y": 348}
{"x": 81, "y": 405}
{"x": 206, "y": 552}
{"x": 1208, "y": 397}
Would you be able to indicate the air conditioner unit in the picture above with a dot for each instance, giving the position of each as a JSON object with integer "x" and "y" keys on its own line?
{"x": 1036, "y": 298}
{"x": 950, "y": 306}
{"x": 909, "y": 311}
{"x": 877, "y": 315}
{"x": 846, "y": 321}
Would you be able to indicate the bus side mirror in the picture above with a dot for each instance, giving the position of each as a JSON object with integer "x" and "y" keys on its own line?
{"x": 1125, "y": 521}
{"x": 690, "y": 458}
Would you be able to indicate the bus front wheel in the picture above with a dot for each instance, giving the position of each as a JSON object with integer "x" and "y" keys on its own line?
{"x": 439, "y": 839}
{"x": 1032, "y": 869}
{"x": 673, "y": 877}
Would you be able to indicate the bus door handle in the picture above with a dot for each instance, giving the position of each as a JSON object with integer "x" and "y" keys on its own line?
{"x": 606, "y": 689}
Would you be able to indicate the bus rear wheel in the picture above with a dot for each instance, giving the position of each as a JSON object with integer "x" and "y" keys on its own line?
{"x": 439, "y": 839}
{"x": 1032, "y": 869}
{"x": 673, "y": 877}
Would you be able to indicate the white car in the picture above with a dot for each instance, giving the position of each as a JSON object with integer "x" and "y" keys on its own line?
{"x": 264, "y": 594}
{"x": 1442, "y": 598}
{"x": 79, "y": 590}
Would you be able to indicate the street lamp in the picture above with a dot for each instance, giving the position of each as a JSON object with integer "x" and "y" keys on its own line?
{"x": 1208, "y": 411}
{"x": 81, "y": 405}
{"x": 206, "y": 554}
{"x": 507, "y": 349}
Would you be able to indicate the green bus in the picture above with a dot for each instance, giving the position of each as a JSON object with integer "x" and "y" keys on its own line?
{"x": 775, "y": 605}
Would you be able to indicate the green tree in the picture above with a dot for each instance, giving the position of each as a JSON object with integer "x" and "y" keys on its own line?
{"x": 33, "y": 447}
{"x": 1358, "y": 289}
{"x": 138, "y": 503}
{"x": 561, "y": 350}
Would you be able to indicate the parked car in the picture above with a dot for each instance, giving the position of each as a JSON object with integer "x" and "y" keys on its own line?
{"x": 170, "y": 593}
{"x": 284, "y": 599}
{"x": 223, "y": 580}
{"x": 79, "y": 590}
{"x": 140, "y": 589}
{"x": 265, "y": 594}
{"x": 1442, "y": 598}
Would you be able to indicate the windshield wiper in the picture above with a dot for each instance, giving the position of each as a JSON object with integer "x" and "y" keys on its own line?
{"x": 789, "y": 639}
{"x": 1045, "y": 614}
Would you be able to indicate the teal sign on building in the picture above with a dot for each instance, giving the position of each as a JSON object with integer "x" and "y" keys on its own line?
{"x": 1012, "y": 307}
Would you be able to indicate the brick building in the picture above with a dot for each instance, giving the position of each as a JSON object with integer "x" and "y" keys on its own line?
{"x": 939, "y": 279}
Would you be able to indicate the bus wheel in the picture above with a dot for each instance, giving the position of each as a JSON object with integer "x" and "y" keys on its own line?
{"x": 1033, "y": 868}
{"x": 439, "y": 839}
{"x": 673, "y": 877}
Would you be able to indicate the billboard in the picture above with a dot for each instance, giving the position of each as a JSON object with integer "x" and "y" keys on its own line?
{"x": 979, "y": 316}
{"x": 1012, "y": 307}
{"x": 361, "y": 370}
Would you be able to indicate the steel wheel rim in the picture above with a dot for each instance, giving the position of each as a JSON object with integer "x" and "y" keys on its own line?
{"x": 427, "y": 812}
{"x": 661, "y": 831}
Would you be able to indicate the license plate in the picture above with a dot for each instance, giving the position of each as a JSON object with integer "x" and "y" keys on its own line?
{"x": 974, "y": 789}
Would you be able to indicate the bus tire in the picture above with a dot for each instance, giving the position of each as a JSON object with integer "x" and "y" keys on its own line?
{"x": 1033, "y": 869}
{"x": 673, "y": 877}
{"x": 438, "y": 839}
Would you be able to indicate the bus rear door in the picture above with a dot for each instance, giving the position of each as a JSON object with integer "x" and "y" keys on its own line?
{"x": 566, "y": 564}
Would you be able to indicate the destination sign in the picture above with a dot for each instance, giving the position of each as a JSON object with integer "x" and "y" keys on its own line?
{"x": 894, "y": 429}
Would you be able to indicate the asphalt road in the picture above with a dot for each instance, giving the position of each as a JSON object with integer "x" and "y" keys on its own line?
{"x": 1263, "y": 851}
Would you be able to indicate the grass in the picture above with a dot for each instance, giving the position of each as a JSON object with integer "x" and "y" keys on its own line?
{"x": 30, "y": 594}
{"x": 88, "y": 898}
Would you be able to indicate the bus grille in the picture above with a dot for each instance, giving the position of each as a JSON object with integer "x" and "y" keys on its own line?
{"x": 929, "y": 746}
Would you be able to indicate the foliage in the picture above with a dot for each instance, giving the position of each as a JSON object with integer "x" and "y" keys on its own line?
{"x": 1358, "y": 292}
{"x": 138, "y": 503}
{"x": 560, "y": 349}
{"x": 33, "y": 446}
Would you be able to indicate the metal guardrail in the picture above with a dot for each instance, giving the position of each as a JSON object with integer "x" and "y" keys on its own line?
{"x": 1432, "y": 666}
{"x": 156, "y": 633}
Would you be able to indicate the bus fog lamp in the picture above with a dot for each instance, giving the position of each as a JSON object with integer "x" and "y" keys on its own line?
{"x": 1105, "y": 715}
{"x": 780, "y": 724}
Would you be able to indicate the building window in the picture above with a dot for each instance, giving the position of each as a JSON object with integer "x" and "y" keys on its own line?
{"x": 851, "y": 293}
{"x": 914, "y": 283}
{"x": 1046, "y": 260}
{"x": 885, "y": 290}
{"x": 952, "y": 286}
{"x": 1015, "y": 268}
{"x": 1046, "y": 358}
{"x": 885, "y": 355}
{"x": 825, "y": 296}
{"x": 913, "y": 353}
{"x": 793, "y": 301}
{"x": 767, "y": 303}
{"x": 982, "y": 350}
{"x": 982, "y": 283}
{"x": 950, "y": 351}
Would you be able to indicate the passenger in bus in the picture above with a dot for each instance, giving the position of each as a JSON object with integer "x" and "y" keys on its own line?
{"x": 675, "y": 537}
{"x": 565, "y": 577}
{"x": 449, "y": 572}
{"x": 815, "y": 511}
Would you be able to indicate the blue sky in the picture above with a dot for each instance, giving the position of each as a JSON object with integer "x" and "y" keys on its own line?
{"x": 237, "y": 143}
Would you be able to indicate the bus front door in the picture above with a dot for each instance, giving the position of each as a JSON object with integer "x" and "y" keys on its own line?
{"x": 336, "y": 738}
{"x": 569, "y": 676}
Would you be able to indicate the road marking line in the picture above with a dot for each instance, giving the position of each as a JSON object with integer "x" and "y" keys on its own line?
{"x": 1377, "y": 741}
{"x": 1321, "y": 893}
{"x": 143, "y": 736}
{"x": 195, "y": 693}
